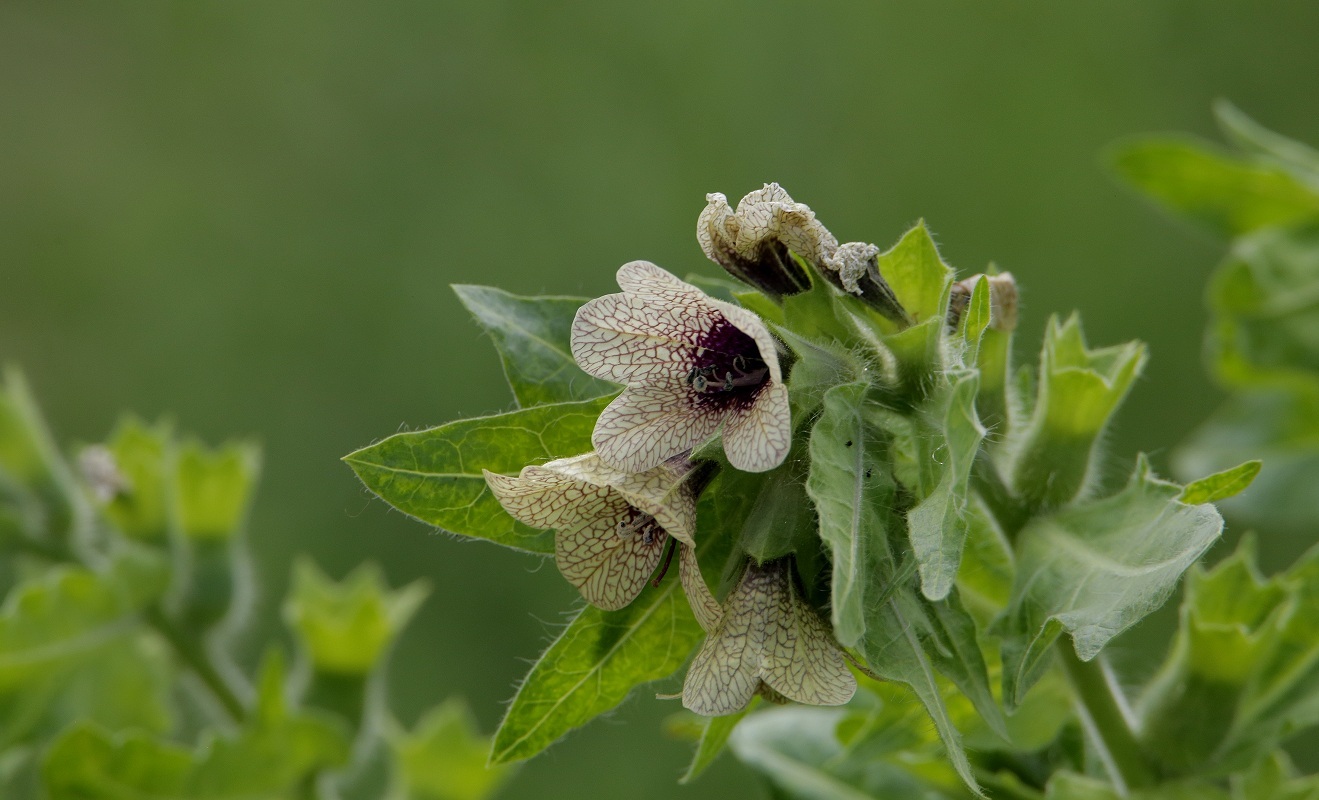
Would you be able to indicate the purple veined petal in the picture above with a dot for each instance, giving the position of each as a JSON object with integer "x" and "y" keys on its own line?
{"x": 757, "y": 439}
{"x": 704, "y": 607}
{"x": 712, "y": 227}
{"x": 542, "y": 498}
{"x": 625, "y": 339}
{"x": 724, "y": 675}
{"x": 651, "y": 282}
{"x": 662, "y": 492}
{"x": 608, "y": 566}
{"x": 802, "y": 661}
{"x": 645, "y": 425}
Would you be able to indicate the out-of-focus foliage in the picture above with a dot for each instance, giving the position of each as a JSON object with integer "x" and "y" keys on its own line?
{"x": 116, "y": 676}
{"x": 1263, "y": 339}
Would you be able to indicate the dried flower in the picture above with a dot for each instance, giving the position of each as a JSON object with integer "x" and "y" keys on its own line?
{"x": 752, "y": 243}
{"x": 691, "y": 364}
{"x": 768, "y": 641}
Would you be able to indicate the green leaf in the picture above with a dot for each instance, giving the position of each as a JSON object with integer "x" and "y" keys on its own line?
{"x": 1066, "y": 785}
{"x": 31, "y": 468}
{"x": 1243, "y": 672}
{"x": 1225, "y": 192}
{"x": 444, "y": 758}
{"x": 347, "y": 626}
{"x": 975, "y": 321}
{"x": 69, "y": 613}
{"x": 938, "y": 525}
{"x": 849, "y": 485}
{"x": 602, "y": 655}
{"x": 1096, "y": 569}
{"x": 894, "y": 649}
{"x": 273, "y": 754}
{"x": 1301, "y": 160}
{"x": 435, "y": 475}
{"x": 1079, "y": 391}
{"x": 714, "y": 736}
{"x": 214, "y": 488}
{"x": 1275, "y": 778}
{"x": 1265, "y": 330}
{"x": 984, "y": 580}
{"x": 780, "y": 519}
{"x": 951, "y": 643}
{"x": 1282, "y": 430}
{"x": 532, "y": 336}
{"x": 1221, "y": 485}
{"x": 917, "y": 274}
{"x": 143, "y": 457}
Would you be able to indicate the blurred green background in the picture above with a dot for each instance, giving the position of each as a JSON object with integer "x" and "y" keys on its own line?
{"x": 246, "y": 215}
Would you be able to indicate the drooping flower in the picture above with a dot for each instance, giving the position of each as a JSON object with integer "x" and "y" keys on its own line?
{"x": 691, "y": 364}
{"x": 611, "y": 527}
{"x": 768, "y": 641}
{"x": 754, "y": 242}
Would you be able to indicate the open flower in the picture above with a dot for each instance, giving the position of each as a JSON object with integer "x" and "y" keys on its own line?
{"x": 769, "y": 641}
{"x": 691, "y": 364}
{"x": 611, "y": 527}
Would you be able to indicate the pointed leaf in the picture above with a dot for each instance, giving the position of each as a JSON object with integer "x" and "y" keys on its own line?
{"x": 1221, "y": 485}
{"x": 917, "y": 274}
{"x": 850, "y": 485}
{"x": 938, "y": 524}
{"x": 1298, "y": 158}
{"x": 531, "y": 334}
{"x": 714, "y": 736}
{"x": 435, "y": 475}
{"x": 1096, "y": 569}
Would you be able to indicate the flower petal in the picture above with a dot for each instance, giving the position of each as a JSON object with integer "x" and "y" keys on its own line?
{"x": 651, "y": 282}
{"x": 539, "y": 497}
{"x": 609, "y": 569}
{"x": 802, "y": 661}
{"x": 647, "y": 424}
{"x": 704, "y": 607}
{"x": 723, "y": 677}
{"x": 625, "y": 339}
{"x": 662, "y": 492}
{"x": 757, "y": 439}
{"x": 712, "y": 227}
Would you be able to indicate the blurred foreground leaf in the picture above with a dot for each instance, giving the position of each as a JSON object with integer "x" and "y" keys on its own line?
{"x": 444, "y": 758}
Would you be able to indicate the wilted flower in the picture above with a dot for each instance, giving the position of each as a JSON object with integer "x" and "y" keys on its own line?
{"x": 611, "y": 526}
{"x": 1002, "y": 300}
{"x": 753, "y": 244}
{"x": 691, "y": 364}
{"x": 769, "y": 641}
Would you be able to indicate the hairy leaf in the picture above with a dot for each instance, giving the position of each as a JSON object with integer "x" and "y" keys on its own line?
{"x": 917, "y": 274}
{"x": 435, "y": 475}
{"x": 850, "y": 487}
{"x": 1096, "y": 569}
{"x": 1221, "y": 485}
{"x": 531, "y": 335}
{"x": 938, "y": 524}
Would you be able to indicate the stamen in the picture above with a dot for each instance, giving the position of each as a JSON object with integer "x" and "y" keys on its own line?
{"x": 673, "y": 544}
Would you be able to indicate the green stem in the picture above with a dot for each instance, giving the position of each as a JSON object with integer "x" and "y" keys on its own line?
{"x": 193, "y": 653}
{"x": 1100, "y": 709}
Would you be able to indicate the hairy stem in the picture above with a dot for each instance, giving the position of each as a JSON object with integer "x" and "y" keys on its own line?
{"x": 193, "y": 654}
{"x": 1101, "y": 710}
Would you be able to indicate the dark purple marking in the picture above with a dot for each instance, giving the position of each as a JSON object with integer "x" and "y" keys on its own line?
{"x": 727, "y": 370}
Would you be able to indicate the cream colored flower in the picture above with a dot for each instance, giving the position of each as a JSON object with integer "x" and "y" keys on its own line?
{"x": 611, "y": 527}
{"x": 692, "y": 365}
{"x": 752, "y": 243}
{"x": 768, "y": 641}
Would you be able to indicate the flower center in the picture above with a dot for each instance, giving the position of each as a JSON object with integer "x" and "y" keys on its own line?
{"x": 726, "y": 365}
{"x": 639, "y": 523}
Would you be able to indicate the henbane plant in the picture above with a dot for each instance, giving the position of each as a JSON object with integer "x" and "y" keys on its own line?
{"x": 867, "y": 498}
